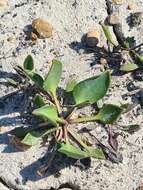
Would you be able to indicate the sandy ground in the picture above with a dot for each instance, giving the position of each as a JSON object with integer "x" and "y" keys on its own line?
{"x": 70, "y": 20}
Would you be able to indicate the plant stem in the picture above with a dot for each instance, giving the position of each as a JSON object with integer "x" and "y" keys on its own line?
{"x": 137, "y": 56}
{"x": 56, "y": 102}
{"x": 78, "y": 138}
{"x": 62, "y": 121}
{"x": 65, "y": 133}
{"x": 51, "y": 130}
{"x": 84, "y": 119}
{"x": 42, "y": 170}
{"x": 59, "y": 135}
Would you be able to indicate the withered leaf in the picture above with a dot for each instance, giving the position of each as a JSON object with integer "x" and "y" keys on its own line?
{"x": 111, "y": 155}
{"x": 16, "y": 142}
{"x": 112, "y": 139}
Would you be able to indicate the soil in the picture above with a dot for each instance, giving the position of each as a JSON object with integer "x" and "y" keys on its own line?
{"x": 71, "y": 20}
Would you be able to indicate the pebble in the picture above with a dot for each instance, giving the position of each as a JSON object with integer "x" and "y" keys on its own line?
{"x": 11, "y": 39}
{"x": 103, "y": 61}
{"x": 42, "y": 27}
{"x": 131, "y": 6}
{"x": 92, "y": 38}
{"x": 117, "y": 2}
{"x": 114, "y": 19}
{"x": 3, "y": 3}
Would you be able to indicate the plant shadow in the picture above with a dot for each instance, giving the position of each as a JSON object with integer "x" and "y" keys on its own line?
{"x": 54, "y": 169}
{"x": 27, "y": 30}
{"x": 13, "y": 109}
{"x": 113, "y": 58}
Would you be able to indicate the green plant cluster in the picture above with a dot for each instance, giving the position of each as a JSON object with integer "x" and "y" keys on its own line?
{"x": 83, "y": 93}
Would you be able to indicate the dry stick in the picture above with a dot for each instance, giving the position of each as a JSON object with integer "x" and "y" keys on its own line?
{"x": 117, "y": 28}
{"x": 21, "y": 88}
{"x": 41, "y": 171}
{"x": 136, "y": 47}
{"x": 70, "y": 115}
{"x": 57, "y": 134}
{"x": 65, "y": 131}
{"x": 60, "y": 134}
{"x": 78, "y": 138}
{"x": 11, "y": 94}
{"x": 56, "y": 102}
{"x": 21, "y": 72}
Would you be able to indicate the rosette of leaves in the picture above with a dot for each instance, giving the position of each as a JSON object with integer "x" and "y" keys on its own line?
{"x": 58, "y": 123}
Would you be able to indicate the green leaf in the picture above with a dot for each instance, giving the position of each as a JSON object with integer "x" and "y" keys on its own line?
{"x": 39, "y": 101}
{"x": 35, "y": 137}
{"x": 36, "y": 78}
{"x": 29, "y": 63}
{"x": 19, "y": 131}
{"x": 70, "y": 85}
{"x": 129, "y": 67}
{"x": 109, "y": 113}
{"x": 130, "y": 41}
{"x": 72, "y": 151}
{"x": 49, "y": 112}
{"x": 108, "y": 34}
{"x": 52, "y": 80}
{"x": 96, "y": 153}
{"x": 92, "y": 89}
{"x": 140, "y": 58}
{"x": 131, "y": 128}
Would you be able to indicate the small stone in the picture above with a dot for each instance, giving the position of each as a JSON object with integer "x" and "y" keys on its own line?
{"x": 103, "y": 61}
{"x": 3, "y": 3}
{"x": 131, "y": 6}
{"x": 42, "y": 28}
{"x": 92, "y": 38}
{"x": 11, "y": 39}
{"x": 118, "y": 2}
{"x": 113, "y": 19}
{"x": 34, "y": 37}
